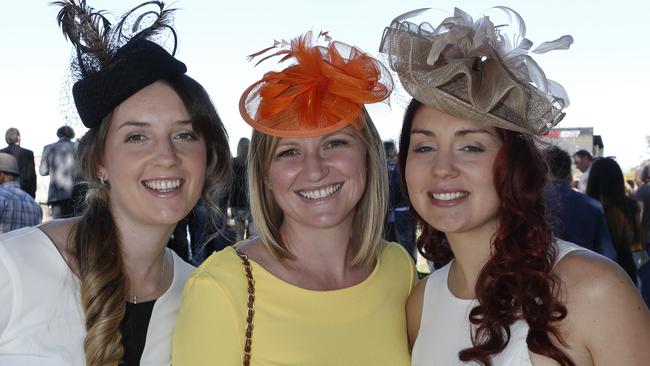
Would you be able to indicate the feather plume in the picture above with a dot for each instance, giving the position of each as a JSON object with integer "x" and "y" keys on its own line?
{"x": 86, "y": 28}
{"x": 323, "y": 88}
{"x": 162, "y": 21}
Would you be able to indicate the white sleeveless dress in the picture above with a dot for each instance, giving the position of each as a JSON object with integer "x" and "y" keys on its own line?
{"x": 445, "y": 327}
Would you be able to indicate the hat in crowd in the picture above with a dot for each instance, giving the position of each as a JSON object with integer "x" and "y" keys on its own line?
{"x": 324, "y": 90}
{"x": 112, "y": 66}
{"x": 8, "y": 164}
{"x": 477, "y": 70}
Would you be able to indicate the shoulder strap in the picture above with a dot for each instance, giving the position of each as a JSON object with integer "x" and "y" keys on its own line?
{"x": 250, "y": 305}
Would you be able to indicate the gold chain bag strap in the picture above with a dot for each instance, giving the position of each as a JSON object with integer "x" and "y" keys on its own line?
{"x": 250, "y": 305}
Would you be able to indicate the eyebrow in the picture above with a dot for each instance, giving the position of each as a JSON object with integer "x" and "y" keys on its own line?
{"x": 459, "y": 133}
{"x": 147, "y": 124}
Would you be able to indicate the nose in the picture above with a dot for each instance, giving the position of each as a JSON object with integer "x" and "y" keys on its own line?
{"x": 165, "y": 153}
{"x": 315, "y": 166}
{"x": 444, "y": 164}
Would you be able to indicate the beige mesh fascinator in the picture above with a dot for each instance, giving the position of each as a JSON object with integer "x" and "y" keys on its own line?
{"x": 475, "y": 70}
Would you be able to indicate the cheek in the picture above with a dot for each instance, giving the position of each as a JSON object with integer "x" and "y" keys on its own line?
{"x": 202, "y": 160}
{"x": 414, "y": 174}
{"x": 279, "y": 174}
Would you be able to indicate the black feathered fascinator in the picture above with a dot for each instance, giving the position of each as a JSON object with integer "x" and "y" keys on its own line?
{"x": 112, "y": 64}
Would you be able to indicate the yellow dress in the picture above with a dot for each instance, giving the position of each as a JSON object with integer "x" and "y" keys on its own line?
{"x": 361, "y": 325}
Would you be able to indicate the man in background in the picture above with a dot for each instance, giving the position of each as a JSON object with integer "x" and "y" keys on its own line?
{"x": 58, "y": 162}
{"x": 17, "y": 208}
{"x": 582, "y": 159}
{"x": 574, "y": 216}
{"x": 25, "y": 160}
{"x": 400, "y": 224}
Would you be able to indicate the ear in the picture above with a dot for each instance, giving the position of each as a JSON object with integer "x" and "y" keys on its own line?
{"x": 102, "y": 175}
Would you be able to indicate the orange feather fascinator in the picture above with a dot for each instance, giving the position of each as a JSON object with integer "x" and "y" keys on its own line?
{"x": 322, "y": 92}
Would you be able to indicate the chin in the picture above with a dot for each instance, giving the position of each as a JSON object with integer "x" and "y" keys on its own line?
{"x": 170, "y": 217}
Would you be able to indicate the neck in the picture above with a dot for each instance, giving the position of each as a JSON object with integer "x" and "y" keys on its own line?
{"x": 471, "y": 252}
{"x": 143, "y": 250}
{"x": 322, "y": 250}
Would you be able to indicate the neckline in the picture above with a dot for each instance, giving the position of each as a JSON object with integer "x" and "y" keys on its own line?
{"x": 259, "y": 268}
{"x": 562, "y": 247}
{"x": 445, "y": 285}
{"x": 54, "y": 250}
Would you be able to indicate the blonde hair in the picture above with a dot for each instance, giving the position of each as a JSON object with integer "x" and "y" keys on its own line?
{"x": 368, "y": 224}
{"x": 95, "y": 240}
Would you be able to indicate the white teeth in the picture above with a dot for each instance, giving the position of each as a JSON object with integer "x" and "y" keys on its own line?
{"x": 163, "y": 185}
{"x": 320, "y": 193}
{"x": 448, "y": 196}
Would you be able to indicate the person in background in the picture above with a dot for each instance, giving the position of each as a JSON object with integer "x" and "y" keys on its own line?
{"x": 642, "y": 195}
{"x": 17, "y": 208}
{"x": 58, "y": 162}
{"x": 101, "y": 289}
{"x": 400, "y": 224}
{"x": 582, "y": 159}
{"x": 607, "y": 185}
{"x": 318, "y": 286}
{"x": 642, "y": 252}
{"x": 25, "y": 160}
{"x": 574, "y": 216}
{"x": 238, "y": 199}
{"x": 506, "y": 292}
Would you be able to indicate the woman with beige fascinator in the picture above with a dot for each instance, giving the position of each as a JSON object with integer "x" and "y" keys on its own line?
{"x": 505, "y": 292}
{"x": 102, "y": 289}
{"x": 318, "y": 286}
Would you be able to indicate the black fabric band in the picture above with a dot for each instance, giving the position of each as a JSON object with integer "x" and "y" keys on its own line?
{"x": 134, "y": 66}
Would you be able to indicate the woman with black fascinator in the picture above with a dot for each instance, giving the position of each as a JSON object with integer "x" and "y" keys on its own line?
{"x": 102, "y": 289}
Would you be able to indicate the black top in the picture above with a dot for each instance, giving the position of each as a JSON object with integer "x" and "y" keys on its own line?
{"x": 134, "y": 331}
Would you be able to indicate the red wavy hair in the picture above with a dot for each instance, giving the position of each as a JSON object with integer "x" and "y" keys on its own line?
{"x": 516, "y": 282}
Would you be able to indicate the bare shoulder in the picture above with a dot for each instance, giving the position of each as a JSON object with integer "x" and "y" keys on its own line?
{"x": 590, "y": 276}
{"x": 59, "y": 232}
{"x": 414, "y": 310}
{"x": 606, "y": 316}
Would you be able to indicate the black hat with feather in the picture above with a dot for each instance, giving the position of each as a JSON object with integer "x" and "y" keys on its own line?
{"x": 110, "y": 65}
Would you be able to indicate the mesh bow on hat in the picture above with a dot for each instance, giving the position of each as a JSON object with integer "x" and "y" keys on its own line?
{"x": 322, "y": 92}
{"x": 111, "y": 66}
{"x": 471, "y": 69}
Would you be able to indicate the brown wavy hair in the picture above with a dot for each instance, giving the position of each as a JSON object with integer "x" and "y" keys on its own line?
{"x": 516, "y": 282}
{"x": 96, "y": 241}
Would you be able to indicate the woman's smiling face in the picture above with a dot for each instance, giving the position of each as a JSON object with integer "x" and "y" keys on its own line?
{"x": 449, "y": 172}
{"x": 318, "y": 181}
{"x": 154, "y": 160}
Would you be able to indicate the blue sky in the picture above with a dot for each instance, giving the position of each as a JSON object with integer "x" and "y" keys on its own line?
{"x": 605, "y": 72}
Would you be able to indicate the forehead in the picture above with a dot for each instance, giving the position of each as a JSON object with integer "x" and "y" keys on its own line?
{"x": 346, "y": 131}
{"x": 440, "y": 123}
{"x": 155, "y": 103}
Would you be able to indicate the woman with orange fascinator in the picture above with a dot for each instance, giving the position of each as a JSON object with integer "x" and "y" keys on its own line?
{"x": 318, "y": 286}
{"x": 507, "y": 293}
